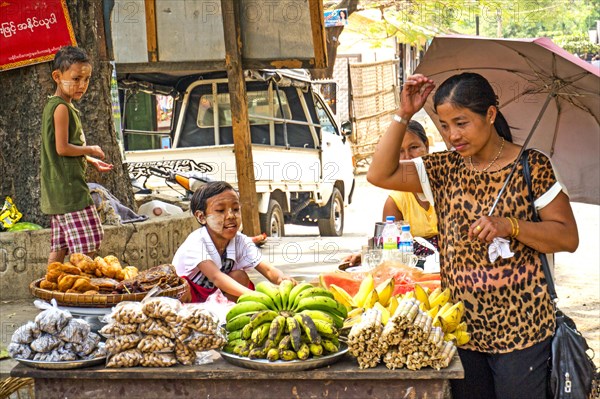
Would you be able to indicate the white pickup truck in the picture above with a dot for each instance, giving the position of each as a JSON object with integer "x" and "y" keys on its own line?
{"x": 302, "y": 160}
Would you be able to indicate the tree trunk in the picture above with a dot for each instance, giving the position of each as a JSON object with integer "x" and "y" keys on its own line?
{"x": 23, "y": 96}
{"x": 332, "y": 41}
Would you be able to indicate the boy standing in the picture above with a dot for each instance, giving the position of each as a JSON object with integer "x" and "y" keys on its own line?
{"x": 75, "y": 225}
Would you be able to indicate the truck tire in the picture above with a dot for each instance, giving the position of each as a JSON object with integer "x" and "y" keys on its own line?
{"x": 333, "y": 226}
{"x": 272, "y": 222}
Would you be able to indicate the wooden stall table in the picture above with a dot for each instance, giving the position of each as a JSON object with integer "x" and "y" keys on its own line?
{"x": 223, "y": 380}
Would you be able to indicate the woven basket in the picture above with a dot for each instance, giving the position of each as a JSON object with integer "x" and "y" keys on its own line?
{"x": 99, "y": 300}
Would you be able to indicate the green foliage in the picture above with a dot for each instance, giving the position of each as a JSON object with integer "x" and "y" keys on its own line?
{"x": 415, "y": 21}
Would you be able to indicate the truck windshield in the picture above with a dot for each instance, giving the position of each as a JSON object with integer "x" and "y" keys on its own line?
{"x": 258, "y": 105}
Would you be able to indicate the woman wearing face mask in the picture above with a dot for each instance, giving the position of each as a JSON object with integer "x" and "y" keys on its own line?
{"x": 217, "y": 255}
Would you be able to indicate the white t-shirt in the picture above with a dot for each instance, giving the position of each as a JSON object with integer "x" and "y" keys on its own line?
{"x": 240, "y": 254}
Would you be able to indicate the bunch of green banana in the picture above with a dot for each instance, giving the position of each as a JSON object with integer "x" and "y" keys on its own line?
{"x": 285, "y": 322}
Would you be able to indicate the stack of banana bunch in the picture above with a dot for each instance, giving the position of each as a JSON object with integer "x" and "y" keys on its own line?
{"x": 367, "y": 297}
{"x": 444, "y": 314}
{"x": 284, "y": 322}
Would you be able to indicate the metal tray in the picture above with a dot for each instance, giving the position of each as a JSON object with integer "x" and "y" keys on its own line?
{"x": 285, "y": 366}
{"x": 74, "y": 364}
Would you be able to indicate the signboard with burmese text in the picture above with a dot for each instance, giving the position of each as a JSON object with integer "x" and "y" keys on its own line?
{"x": 32, "y": 31}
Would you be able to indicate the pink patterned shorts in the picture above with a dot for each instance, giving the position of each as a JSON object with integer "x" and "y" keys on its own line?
{"x": 78, "y": 232}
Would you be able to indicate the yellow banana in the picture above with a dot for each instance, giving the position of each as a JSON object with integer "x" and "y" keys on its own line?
{"x": 295, "y": 332}
{"x": 355, "y": 312}
{"x": 421, "y": 296}
{"x": 304, "y": 352}
{"x": 340, "y": 295}
{"x": 433, "y": 311}
{"x": 385, "y": 291}
{"x": 310, "y": 328}
{"x": 409, "y": 295}
{"x": 393, "y": 305}
{"x": 440, "y": 299}
{"x": 366, "y": 287}
{"x": 259, "y": 335}
{"x": 462, "y": 326}
{"x": 276, "y": 328}
{"x": 462, "y": 337}
{"x": 325, "y": 329}
{"x": 273, "y": 354}
{"x": 444, "y": 308}
{"x": 330, "y": 346}
{"x": 316, "y": 349}
{"x": 434, "y": 294}
{"x": 371, "y": 300}
{"x": 325, "y": 316}
{"x": 385, "y": 314}
{"x": 450, "y": 337}
{"x": 349, "y": 322}
{"x": 287, "y": 354}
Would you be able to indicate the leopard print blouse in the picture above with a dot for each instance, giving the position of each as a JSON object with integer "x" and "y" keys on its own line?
{"x": 507, "y": 305}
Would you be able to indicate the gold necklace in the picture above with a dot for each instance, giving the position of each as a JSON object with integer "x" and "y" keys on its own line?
{"x": 493, "y": 160}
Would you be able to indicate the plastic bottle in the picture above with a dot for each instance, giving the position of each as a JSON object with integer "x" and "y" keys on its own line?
{"x": 390, "y": 236}
{"x": 405, "y": 243}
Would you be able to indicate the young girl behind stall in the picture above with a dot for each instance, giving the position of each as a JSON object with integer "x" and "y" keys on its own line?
{"x": 217, "y": 255}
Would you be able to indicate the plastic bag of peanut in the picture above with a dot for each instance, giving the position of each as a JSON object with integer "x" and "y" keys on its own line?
{"x": 120, "y": 343}
{"x": 162, "y": 308}
{"x": 128, "y": 358}
{"x": 128, "y": 313}
{"x": 151, "y": 343}
{"x": 157, "y": 359}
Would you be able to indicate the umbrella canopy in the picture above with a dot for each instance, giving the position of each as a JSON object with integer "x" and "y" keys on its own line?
{"x": 534, "y": 79}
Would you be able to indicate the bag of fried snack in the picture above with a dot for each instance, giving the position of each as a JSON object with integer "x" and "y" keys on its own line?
{"x": 46, "y": 343}
{"x": 26, "y": 333}
{"x": 76, "y": 331}
{"x": 20, "y": 351}
{"x": 128, "y": 358}
{"x": 51, "y": 319}
{"x": 163, "y": 308}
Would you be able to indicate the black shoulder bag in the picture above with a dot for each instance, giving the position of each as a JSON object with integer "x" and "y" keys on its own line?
{"x": 571, "y": 370}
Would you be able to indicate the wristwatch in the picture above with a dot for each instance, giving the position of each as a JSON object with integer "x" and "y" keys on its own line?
{"x": 400, "y": 119}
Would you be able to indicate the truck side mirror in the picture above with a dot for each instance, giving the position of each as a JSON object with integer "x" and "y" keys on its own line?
{"x": 347, "y": 128}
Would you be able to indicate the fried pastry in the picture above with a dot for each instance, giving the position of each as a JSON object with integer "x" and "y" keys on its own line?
{"x": 55, "y": 269}
{"x": 66, "y": 281}
{"x": 111, "y": 266}
{"x": 127, "y": 273}
{"x": 83, "y": 262}
{"x": 83, "y": 284}
{"x": 47, "y": 285}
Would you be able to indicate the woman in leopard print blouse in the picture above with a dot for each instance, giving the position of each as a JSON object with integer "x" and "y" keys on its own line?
{"x": 507, "y": 306}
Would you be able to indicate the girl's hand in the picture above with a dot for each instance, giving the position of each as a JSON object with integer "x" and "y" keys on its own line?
{"x": 100, "y": 166}
{"x": 414, "y": 93}
{"x": 95, "y": 151}
{"x": 487, "y": 228}
{"x": 281, "y": 278}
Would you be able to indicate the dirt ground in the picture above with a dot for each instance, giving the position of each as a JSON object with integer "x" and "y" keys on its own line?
{"x": 578, "y": 277}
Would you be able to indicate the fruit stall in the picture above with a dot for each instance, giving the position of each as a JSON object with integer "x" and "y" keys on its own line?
{"x": 389, "y": 332}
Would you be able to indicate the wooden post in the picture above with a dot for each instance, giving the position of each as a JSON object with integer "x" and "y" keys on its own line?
{"x": 151, "y": 34}
{"x": 239, "y": 116}
{"x": 318, "y": 33}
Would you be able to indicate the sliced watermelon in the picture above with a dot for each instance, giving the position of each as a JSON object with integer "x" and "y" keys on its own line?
{"x": 24, "y": 226}
{"x": 350, "y": 282}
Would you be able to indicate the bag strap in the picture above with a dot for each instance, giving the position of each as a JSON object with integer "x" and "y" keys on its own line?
{"x": 536, "y": 218}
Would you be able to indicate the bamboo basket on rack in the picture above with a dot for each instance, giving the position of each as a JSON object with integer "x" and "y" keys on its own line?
{"x": 99, "y": 300}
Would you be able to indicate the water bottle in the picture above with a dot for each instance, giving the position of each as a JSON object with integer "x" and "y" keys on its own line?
{"x": 405, "y": 243}
{"x": 390, "y": 236}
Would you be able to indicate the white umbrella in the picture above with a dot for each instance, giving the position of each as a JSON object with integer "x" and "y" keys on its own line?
{"x": 550, "y": 98}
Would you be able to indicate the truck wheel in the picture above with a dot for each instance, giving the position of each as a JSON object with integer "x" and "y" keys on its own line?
{"x": 333, "y": 226}
{"x": 272, "y": 222}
